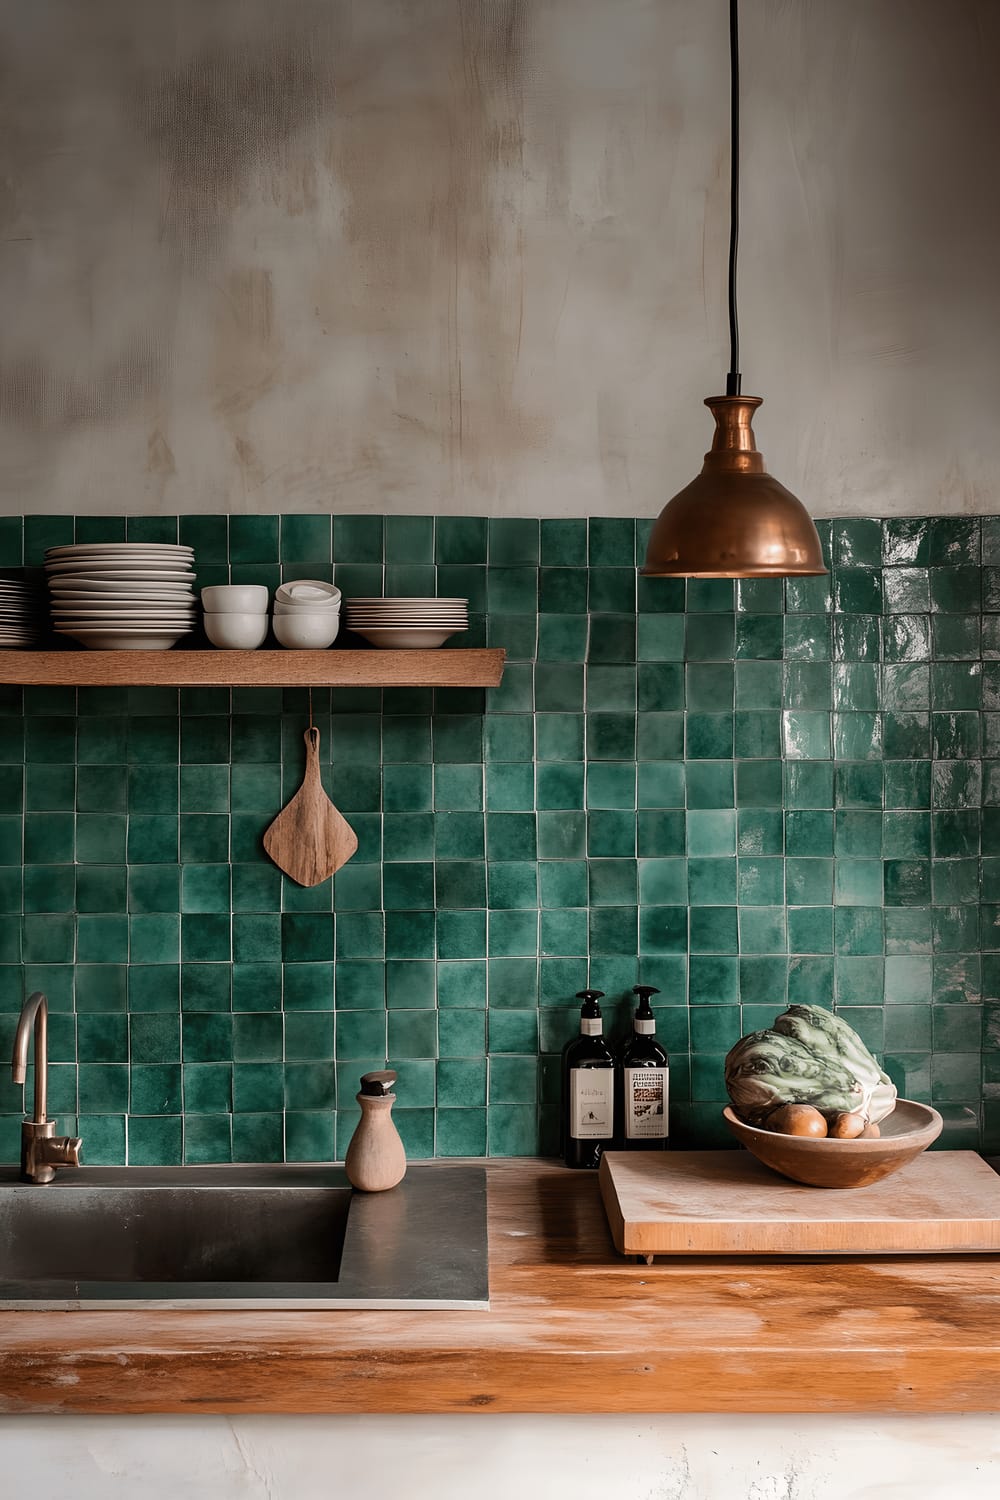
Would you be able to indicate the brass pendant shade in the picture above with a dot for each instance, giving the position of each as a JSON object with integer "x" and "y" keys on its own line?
{"x": 734, "y": 520}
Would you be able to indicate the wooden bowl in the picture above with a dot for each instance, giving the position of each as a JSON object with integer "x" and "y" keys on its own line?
{"x": 828, "y": 1163}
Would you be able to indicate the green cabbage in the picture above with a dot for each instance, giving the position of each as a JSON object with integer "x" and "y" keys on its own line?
{"x": 808, "y": 1056}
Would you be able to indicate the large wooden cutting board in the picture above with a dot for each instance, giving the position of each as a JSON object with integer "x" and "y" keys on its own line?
{"x": 727, "y": 1203}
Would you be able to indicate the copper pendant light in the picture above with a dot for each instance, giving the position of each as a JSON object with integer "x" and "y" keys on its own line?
{"x": 734, "y": 520}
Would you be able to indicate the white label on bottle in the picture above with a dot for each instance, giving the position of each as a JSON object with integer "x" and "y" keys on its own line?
{"x": 646, "y": 1102}
{"x": 591, "y": 1027}
{"x": 591, "y": 1103}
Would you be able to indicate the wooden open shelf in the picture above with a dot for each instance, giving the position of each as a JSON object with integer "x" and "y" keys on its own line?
{"x": 209, "y": 668}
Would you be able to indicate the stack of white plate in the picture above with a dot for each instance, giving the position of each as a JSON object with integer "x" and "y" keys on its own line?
{"x": 122, "y": 596}
{"x": 407, "y": 622}
{"x": 22, "y": 614}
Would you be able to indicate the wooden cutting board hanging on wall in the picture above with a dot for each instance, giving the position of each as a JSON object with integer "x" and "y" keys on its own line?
{"x": 309, "y": 840}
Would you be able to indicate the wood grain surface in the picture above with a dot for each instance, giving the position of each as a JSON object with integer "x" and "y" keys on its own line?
{"x": 727, "y": 1203}
{"x": 572, "y": 1328}
{"x": 441, "y": 668}
{"x": 310, "y": 839}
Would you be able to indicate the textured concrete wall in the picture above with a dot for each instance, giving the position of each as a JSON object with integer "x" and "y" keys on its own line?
{"x": 468, "y": 255}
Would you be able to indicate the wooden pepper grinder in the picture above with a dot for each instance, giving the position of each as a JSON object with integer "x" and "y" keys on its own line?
{"x": 375, "y": 1158}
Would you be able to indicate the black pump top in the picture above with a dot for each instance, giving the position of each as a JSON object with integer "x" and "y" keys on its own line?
{"x": 643, "y": 1011}
{"x": 590, "y": 1009}
{"x": 378, "y": 1084}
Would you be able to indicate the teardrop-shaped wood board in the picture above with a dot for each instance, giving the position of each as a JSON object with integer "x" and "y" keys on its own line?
{"x": 309, "y": 840}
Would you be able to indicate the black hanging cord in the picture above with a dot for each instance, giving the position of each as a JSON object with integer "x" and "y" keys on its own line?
{"x": 734, "y": 379}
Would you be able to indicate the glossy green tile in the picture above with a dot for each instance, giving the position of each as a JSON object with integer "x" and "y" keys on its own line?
{"x": 811, "y": 981}
{"x": 715, "y": 775}
{"x": 759, "y": 783}
{"x": 908, "y": 985}
{"x": 808, "y": 784}
{"x": 857, "y": 736}
{"x": 809, "y": 832}
{"x": 806, "y": 735}
{"x": 563, "y": 542}
{"x": 709, "y": 785}
{"x": 652, "y": 834}
{"x": 461, "y": 882}
{"x": 956, "y": 637}
{"x": 955, "y": 882}
{"x": 258, "y": 1137}
{"x": 610, "y": 736}
{"x": 710, "y": 637}
{"x": 152, "y": 839}
{"x": 857, "y": 591}
{"x": 906, "y": 638}
{"x": 759, "y": 637}
{"x": 810, "y": 929}
{"x": 613, "y": 931}
{"x": 612, "y": 639}
{"x": 907, "y": 784}
{"x": 709, "y": 736}
{"x": 907, "y": 882}
{"x": 908, "y": 930}
{"x": 713, "y": 980}
{"x": 757, "y": 734}
{"x": 153, "y": 888}
{"x": 714, "y": 929}
{"x": 48, "y": 888}
{"x": 660, "y": 637}
{"x": 956, "y": 685}
{"x": 660, "y": 736}
{"x": 858, "y": 930}
{"x": 761, "y": 882}
{"x": 711, "y": 832}
{"x": 511, "y": 1031}
{"x": 906, "y": 541}
{"x": 762, "y": 929}
{"x": 808, "y": 637}
{"x": 858, "y": 833}
{"x": 859, "y": 984}
{"x": 857, "y": 542}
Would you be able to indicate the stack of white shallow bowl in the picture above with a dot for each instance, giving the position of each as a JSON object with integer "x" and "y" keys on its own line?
{"x": 22, "y": 614}
{"x": 306, "y": 614}
{"x": 122, "y": 596}
{"x": 407, "y": 623}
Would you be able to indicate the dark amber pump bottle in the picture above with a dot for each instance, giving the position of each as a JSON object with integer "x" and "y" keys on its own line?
{"x": 588, "y": 1092}
{"x": 643, "y": 1102}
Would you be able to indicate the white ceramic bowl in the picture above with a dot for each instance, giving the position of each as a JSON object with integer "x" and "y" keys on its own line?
{"x": 235, "y": 598}
{"x": 307, "y": 591}
{"x": 332, "y": 607}
{"x": 307, "y": 632}
{"x": 236, "y": 632}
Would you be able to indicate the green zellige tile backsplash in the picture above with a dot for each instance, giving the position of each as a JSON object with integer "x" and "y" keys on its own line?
{"x": 746, "y": 794}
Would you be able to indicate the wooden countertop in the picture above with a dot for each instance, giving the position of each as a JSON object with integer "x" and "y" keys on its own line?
{"x": 572, "y": 1328}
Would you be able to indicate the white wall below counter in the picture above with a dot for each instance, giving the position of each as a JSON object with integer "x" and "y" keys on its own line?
{"x": 494, "y": 1457}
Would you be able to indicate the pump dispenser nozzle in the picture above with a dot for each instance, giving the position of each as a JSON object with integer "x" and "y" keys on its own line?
{"x": 590, "y": 1007}
{"x": 643, "y": 1011}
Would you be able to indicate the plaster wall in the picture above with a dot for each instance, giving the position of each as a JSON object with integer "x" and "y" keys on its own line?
{"x": 492, "y": 1457}
{"x": 468, "y": 256}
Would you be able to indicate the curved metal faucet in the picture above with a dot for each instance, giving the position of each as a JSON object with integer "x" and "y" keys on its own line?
{"x": 41, "y": 1149}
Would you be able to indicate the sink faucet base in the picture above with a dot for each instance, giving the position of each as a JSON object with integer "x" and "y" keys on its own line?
{"x": 42, "y": 1150}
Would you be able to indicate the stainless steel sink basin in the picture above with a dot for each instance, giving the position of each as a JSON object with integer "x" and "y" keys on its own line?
{"x": 254, "y": 1237}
